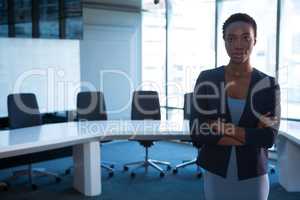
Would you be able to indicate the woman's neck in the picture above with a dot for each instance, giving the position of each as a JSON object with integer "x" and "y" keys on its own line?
{"x": 239, "y": 69}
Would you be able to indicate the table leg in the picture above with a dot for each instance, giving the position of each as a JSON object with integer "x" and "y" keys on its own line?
{"x": 288, "y": 164}
{"x": 87, "y": 174}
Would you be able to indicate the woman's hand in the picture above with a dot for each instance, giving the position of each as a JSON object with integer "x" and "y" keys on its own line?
{"x": 229, "y": 141}
{"x": 267, "y": 121}
{"x": 234, "y": 135}
{"x": 228, "y": 130}
{"x": 220, "y": 127}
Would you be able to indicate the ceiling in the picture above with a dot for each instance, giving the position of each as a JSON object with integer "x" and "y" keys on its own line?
{"x": 129, "y": 3}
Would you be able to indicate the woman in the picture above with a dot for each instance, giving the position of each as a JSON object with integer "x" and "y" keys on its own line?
{"x": 235, "y": 114}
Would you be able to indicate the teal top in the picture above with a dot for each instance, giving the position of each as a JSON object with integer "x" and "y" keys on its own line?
{"x": 236, "y": 107}
{"x": 229, "y": 188}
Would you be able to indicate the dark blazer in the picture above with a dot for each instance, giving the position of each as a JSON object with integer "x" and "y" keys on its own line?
{"x": 209, "y": 95}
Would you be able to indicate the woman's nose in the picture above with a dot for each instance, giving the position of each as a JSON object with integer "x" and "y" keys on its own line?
{"x": 238, "y": 43}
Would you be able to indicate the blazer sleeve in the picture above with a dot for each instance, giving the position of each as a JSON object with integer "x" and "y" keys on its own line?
{"x": 200, "y": 132}
{"x": 265, "y": 137}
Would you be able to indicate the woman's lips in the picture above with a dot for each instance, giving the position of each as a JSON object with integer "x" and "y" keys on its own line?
{"x": 238, "y": 55}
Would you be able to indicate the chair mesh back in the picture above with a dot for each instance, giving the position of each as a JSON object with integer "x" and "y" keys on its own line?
{"x": 91, "y": 106}
{"x": 187, "y": 107}
{"x": 23, "y": 110}
{"x": 145, "y": 105}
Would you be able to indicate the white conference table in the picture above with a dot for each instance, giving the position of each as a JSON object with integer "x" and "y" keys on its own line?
{"x": 85, "y": 137}
{"x": 288, "y": 151}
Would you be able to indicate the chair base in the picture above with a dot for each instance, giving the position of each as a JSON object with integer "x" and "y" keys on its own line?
{"x": 184, "y": 164}
{"x": 33, "y": 172}
{"x": 272, "y": 169}
{"x": 149, "y": 163}
{"x": 109, "y": 166}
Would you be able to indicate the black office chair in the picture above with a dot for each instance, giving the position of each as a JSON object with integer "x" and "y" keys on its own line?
{"x": 145, "y": 105}
{"x": 91, "y": 106}
{"x": 3, "y": 185}
{"x": 188, "y": 99}
{"x": 23, "y": 112}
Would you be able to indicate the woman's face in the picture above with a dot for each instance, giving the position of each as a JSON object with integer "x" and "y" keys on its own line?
{"x": 239, "y": 41}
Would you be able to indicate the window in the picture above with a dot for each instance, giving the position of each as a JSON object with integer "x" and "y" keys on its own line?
{"x": 264, "y": 52}
{"x": 3, "y": 18}
{"x": 41, "y": 19}
{"x": 154, "y": 48}
{"x": 23, "y": 18}
{"x": 49, "y": 15}
{"x": 190, "y": 46}
{"x": 174, "y": 53}
{"x": 289, "y": 64}
{"x": 73, "y": 21}
{"x": 175, "y": 114}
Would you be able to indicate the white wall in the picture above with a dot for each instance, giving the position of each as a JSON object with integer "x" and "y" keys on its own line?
{"x": 50, "y": 68}
{"x": 111, "y": 57}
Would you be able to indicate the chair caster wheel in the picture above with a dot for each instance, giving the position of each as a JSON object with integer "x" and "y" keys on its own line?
{"x": 34, "y": 187}
{"x": 125, "y": 168}
{"x": 4, "y": 186}
{"x": 68, "y": 171}
{"x": 132, "y": 175}
{"x": 110, "y": 174}
{"x": 175, "y": 171}
{"x": 169, "y": 168}
{"x": 199, "y": 175}
{"x": 161, "y": 174}
{"x": 57, "y": 180}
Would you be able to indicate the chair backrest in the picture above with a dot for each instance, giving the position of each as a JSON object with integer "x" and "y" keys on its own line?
{"x": 91, "y": 106}
{"x": 23, "y": 110}
{"x": 145, "y": 105}
{"x": 187, "y": 105}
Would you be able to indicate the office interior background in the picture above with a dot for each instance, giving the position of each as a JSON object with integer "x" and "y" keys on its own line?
{"x": 56, "y": 48}
{"x": 138, "y": 44}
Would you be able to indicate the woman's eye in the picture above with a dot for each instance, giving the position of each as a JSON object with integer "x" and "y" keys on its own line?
{"x": 247, "y": 38}
{"x": 229, "y": 39}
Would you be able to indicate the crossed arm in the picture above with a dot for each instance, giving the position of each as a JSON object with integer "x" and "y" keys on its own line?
{"x": 221, "y": 133}
{"x": 234, "y": 135}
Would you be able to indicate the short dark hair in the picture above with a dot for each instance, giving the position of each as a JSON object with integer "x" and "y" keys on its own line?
{"x": 240, "y": 17}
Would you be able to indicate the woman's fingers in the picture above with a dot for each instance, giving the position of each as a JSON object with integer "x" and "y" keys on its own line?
{"x": 267, "y": 114}
{"x": 266, "y": 121}
{"x": 221, "y": 127}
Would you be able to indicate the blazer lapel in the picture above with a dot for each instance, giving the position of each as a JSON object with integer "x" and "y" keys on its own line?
{"x": 247, "y": 113}
{"x": 247, "y": 109}
{"x": 223, "y": 101}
